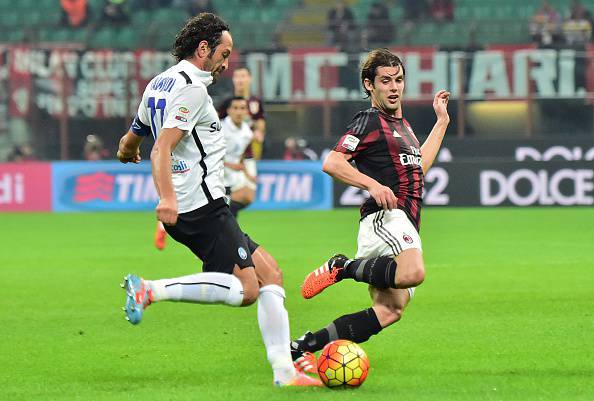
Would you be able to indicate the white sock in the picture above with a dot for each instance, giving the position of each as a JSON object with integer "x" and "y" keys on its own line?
{"x": 273, "y": 320}
{"x": 202, "y": 288}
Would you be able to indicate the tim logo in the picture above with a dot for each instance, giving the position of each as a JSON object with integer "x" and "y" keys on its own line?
{"x": 94, "y": 186}
{"x": 179, "y": 166}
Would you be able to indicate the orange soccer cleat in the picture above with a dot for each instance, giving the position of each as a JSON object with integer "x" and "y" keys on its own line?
{"x": 323, "y": 277}
{"x": 307, "y": 363}
{"x": 302, "y": 380}
{"x": 160, "y": 236}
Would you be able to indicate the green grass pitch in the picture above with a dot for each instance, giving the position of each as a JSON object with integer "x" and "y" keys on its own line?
{"x": 506, "y": 311}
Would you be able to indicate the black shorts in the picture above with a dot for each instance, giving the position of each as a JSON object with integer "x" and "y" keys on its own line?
{"x": 212, "y": 233}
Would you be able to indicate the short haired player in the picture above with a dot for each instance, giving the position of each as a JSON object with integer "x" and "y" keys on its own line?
{"x": 390, "y": 164}
{"x": 238, "y": 136}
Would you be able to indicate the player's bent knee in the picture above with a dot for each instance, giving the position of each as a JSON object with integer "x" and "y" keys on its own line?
{"x": 249, "y": 284}
{"x": 388, "y": 314}
{"x": 250, "y": 295}
{"x": 412, "y": 277}
{"x": 417, "y": 276}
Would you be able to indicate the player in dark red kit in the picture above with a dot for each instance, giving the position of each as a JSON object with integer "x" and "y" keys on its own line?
{"x": 390, "y": 164}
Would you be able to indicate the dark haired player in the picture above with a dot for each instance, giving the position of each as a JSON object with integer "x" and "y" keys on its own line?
{"x": 187, "y": 160}
{"x": 238, "y": 136}
{"x": 390, "y": 164}
{"x": 246, "y": 190}
{"x": 245, "y": 182}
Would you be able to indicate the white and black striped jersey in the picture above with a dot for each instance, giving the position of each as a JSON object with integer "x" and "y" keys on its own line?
{"x": 178, "y": 98}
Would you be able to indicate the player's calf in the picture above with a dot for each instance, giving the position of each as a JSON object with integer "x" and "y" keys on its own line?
{"x": 356, "y": 327}
{"x": 267, "y": 268}
{"x": 250, "y": 294}
{"x": 411, "y": 269}
{"x": 388, "y": 314}
{"x": 411, "y": 277}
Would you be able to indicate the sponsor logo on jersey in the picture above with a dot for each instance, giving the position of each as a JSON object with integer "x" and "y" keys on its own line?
{"x": 407, "y": 238}
{"x": 215, "y": 126}
{"x": 181, "y": 118}
{"x": 350, "y": 142}
{"x": 179, "y": 166}
{"x": 396, "y": 134}
{"x": 184, "y": 110}
{"x": 408, "y": 159}
{"x": 163, "y": 84}
{"x": 242, "y": 253}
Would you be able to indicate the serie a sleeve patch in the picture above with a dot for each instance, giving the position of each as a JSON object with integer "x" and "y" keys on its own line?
{"x": 350, "y": 142}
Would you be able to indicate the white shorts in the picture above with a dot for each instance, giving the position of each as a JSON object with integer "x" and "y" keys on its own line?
{"x": 250, "y": 168}
{"x": 238, "y": 179}
{"x": 387, "y": 233}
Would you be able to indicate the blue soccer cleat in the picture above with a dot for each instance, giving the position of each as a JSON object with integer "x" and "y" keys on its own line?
{"x": 138, "y": 297}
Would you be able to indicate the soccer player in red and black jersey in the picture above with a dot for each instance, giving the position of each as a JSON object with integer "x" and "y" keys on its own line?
{"x": 390, "y": 164}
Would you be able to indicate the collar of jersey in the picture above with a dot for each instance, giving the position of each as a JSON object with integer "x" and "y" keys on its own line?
{"x": 232, "y": 124}
{"x": 204, "y": 76}
{"x": 388, "y": 116}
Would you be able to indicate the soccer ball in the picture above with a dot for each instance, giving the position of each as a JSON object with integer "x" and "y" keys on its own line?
{"x": 343, "y": 363}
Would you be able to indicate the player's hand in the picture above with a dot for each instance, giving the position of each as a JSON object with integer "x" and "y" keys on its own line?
{"x": 440, "y": 105}
{"x": 126, "y": 158}
{"x": 383, "y": 196}
{"x": 167, "y": 211}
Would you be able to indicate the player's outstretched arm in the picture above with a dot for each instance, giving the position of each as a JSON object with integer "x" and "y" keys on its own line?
{"x": 161, "y": 160}
{"x": 337, "y": 165}
{"x": 129, "y": 148}
{"x": 433, "y": 142}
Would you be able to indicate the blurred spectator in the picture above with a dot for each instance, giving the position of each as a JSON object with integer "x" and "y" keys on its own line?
{"x": 577, "y": 30}
{"x": 296, "y": 149}
{"x": 380, "y": 30}
{"x": 195, "y": 7}
{"x": 94, "y": 149}
{"x": 202, "y": 6}
{"x": 116, "y": 12}
{"x": 341, "y": 24}
{"x": 21, "y": 153}
{"x": 442, "y": 10}
{"x": 150, "y": 4}
{"x": 415, "y": 10}
{"x": 75, "y": 13}
{"x": 545, "y": 23}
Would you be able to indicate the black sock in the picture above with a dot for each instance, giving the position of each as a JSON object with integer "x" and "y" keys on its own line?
{"x": 379, "y": 272}
{"x": 236, "y": 207}
{"x": 356, "y": 327}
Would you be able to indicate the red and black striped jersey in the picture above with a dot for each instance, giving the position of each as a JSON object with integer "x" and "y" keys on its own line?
{"x": 386, "y": 149}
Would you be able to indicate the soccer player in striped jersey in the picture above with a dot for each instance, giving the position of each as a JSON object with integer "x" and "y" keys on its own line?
{"x": 187, "y": 160}
{"x": 390, "y": 165}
